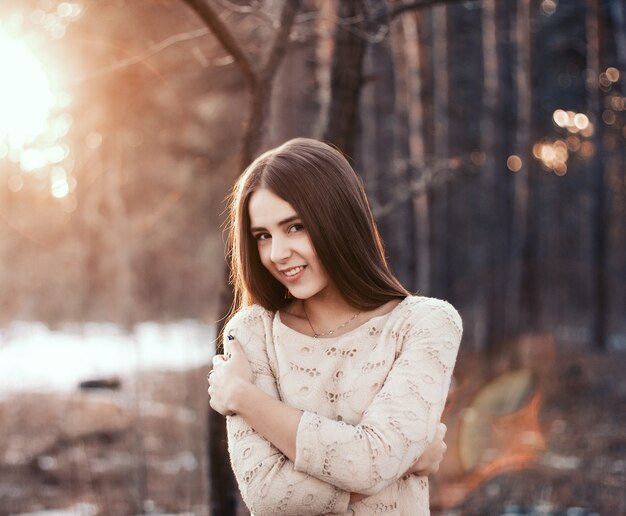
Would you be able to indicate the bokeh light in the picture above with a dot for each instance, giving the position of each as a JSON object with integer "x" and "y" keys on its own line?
{"x": 573, "y": 122}
{"x": 34, "y": 124}
{"x": 478, "y": 158}
{"x": 93, "y": 140}
{"x": 612, "y": 74}
{"x": 15, "y": 183}
{"x": 608, "y": 117}
{"x": 59, "y": 186}
{"x": 548, "y": 7}
{"x": 554, "y": 155}
{"x": 615, "y": 102}
{"x": 514, "y": 163}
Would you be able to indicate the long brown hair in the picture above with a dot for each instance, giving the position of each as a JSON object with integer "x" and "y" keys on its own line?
{"x": 329, "y": 198}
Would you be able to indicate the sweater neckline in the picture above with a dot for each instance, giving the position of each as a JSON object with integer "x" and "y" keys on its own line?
{"x": 364, "y": 324}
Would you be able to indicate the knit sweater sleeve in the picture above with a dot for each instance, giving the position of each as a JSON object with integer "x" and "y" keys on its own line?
{"x": 401, "y": 420}
{"x": 267, "y": 479}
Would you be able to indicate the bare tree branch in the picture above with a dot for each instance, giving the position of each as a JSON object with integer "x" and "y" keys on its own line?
{"x": 261, "y": 92}
{"x": 259, "y": 79}
{"x": 431, "y": 175}
{"x": 259, "y": 82}
{"x": 418, "y": 4}
{"x": 212, "y": 20}
{"x": 279, "y": 45}
{"x": 253, "y": 10}
{"x": 152, "y": 51}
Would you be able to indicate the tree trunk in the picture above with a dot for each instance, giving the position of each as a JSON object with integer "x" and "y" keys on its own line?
{"x": 439, "y": 195}
{"x": 223, "y": 492}
{"x": 415, "y": 111}
{"x": 488, "y": 242}
{"x": 596, "y": 167}
{"x": 618, "y": 16}
{"x": 518, "y": 257}
{"x": 383, "y": 177}
{"x": 346, "y": 76}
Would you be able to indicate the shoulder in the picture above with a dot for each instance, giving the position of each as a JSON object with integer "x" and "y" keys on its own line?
{"x": 249, "y": 316}
{"x": 251, "y": 326}
{"x": 250, "y": 322}
{"x": 430, "y": 313}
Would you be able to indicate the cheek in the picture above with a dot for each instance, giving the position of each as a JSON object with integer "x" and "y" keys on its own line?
{"x": 320, "y": 270}
{"x": 264, "y": 255}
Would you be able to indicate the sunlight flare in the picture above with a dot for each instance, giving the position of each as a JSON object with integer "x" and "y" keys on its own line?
{"x": 26, "y": 96}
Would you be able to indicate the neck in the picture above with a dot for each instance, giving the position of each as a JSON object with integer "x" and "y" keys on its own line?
{"x": 327, "y": 301}
{"x": 328, "y": 312}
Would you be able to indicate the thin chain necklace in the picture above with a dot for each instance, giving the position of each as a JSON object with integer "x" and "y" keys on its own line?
{"x": 331, "y": 332}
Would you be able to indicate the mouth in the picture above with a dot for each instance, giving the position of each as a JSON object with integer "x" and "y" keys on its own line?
{"x": 293, "y": 273}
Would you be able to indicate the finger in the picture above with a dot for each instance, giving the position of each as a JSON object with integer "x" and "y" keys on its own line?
{"x": 218, "y": 360}
{"x": 234, "y": 346}
{"x": 228, "y": 340}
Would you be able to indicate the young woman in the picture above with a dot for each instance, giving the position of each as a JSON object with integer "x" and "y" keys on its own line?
{"x": 334, "y": 377}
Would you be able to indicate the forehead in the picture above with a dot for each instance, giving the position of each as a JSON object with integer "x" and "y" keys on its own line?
{"x": 266, "y": 209}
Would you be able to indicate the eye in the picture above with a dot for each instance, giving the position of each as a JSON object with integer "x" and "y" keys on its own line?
{"x": 261, "y": 236}
{"x": 295, "y": 227}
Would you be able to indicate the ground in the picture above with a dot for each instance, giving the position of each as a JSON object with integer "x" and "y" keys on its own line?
{"x": 539, "y": 432}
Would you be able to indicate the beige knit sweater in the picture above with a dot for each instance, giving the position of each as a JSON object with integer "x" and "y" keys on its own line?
{"x": 371, "y": 398}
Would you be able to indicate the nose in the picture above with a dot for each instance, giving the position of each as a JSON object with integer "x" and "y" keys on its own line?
{"x": 280, "y": 249}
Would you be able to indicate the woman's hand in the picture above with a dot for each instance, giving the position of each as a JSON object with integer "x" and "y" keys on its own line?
{"x": 429, "y": 461}
{"x": 230, "y": 371}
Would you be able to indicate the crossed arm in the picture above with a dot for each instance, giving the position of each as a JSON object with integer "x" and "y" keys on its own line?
{"x": 245, "y": 388}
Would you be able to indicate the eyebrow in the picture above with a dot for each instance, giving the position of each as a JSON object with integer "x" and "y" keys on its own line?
{"x": 281, "y": 223}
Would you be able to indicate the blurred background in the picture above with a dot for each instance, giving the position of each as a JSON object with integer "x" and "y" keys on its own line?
{"x": 491, "y": 139}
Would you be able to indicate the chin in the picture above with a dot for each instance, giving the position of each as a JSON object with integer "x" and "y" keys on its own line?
{"x": 301, "y": 293}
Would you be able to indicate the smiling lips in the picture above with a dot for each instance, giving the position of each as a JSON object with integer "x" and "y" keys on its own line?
{"x": 293, "y": 273}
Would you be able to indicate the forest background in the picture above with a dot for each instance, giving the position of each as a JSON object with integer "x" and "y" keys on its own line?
{"x": 490, "y": 137}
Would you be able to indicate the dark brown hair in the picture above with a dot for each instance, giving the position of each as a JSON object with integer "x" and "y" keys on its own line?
{"x": 329, "y": 198}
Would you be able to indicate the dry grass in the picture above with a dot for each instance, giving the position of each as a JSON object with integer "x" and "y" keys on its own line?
{"x": 142, "y": 449}
{"x": 139, "y": 449}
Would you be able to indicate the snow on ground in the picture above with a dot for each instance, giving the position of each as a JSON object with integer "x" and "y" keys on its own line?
{"x": 32, "y": 357}
{"x": 80, "y": 509}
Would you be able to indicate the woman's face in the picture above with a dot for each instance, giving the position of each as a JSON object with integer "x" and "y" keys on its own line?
{"x": 284, "y": 245}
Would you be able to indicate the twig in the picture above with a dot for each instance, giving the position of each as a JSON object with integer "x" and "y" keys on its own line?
{"x": 152, "y": 51}
{"x": 256, "y": 11}
{"x": 430, "y": 176}
{"x": 419, "y": 4}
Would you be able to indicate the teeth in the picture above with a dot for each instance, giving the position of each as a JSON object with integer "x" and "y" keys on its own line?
{"x": 293, "y": 272}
